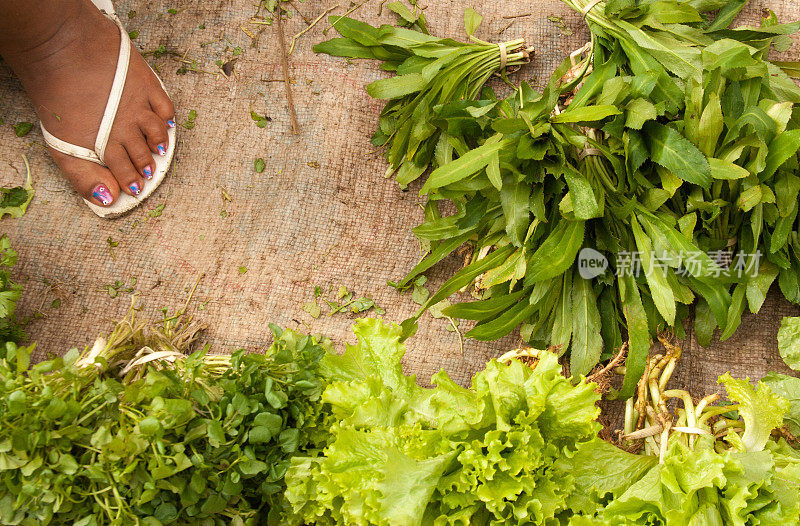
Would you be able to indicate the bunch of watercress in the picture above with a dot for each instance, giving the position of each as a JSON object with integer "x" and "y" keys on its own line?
{"x": 132, "y": 431}
{"x": 667, "y": 156}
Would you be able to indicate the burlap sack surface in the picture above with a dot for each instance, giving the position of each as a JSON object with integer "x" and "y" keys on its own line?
{"x": 321, "y": 212}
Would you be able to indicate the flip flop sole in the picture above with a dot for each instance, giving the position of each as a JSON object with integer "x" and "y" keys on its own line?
{"x": 125, "y": 202}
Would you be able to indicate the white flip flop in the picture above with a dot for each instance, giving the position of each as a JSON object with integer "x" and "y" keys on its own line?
{"x": 161, "y": 163}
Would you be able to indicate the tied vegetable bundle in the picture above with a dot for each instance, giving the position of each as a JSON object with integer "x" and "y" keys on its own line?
{"x": 654, "y": 173}
{"x": 430, "y": 71}
{"x": 132, "y": 431}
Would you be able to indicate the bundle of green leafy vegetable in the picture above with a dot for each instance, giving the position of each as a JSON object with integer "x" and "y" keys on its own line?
{"x": 430, "y": 71}
{"x": 520, "y": 446}
{"x": 132, "y": 431}
{"x": 668, "y": 154}
{"x": 735, "y": 475}
{"x": 402, "y": 454}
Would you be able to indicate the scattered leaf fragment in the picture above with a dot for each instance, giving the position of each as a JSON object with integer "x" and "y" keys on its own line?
{"x": 21, "y": 129}
{"x": 157, "y": 211}
{"x": 313, "y": 309}
{"x": 189, "y": 123}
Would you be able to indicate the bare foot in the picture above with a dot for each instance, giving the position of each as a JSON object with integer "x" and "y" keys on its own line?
{"x": 66, "y": 59}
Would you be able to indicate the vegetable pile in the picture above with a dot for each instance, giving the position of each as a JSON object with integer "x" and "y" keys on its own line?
{"x": 520, "y": 447}
{"x": 402, "y": 454}
{"x": 133, "y": 432}
{"x": 670, "y": 136}
{"x": 664, "y": 152}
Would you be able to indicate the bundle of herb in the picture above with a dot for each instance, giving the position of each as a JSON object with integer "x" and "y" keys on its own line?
{"x": 665, "y": 158}
{"x": 430, "y": 71}
{"x": 132, "y": 431}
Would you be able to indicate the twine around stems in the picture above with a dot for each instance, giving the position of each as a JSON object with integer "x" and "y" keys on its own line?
{"x": 503, "y": 54}
{"x": 589, "y": 7}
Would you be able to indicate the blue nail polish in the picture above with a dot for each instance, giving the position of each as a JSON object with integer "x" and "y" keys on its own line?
{"x": 171, "y": 123}
{"x": 162, "y": 149}
{"x": 148, "y": 172}
{"x": 136, "y": 189}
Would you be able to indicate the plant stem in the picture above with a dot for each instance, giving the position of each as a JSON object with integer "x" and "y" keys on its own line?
{"x": 285, "y": 67}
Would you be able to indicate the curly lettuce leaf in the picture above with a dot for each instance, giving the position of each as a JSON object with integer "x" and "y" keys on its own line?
{"x": 787, "y": 387}
{"x": 402, "y": 454}
{"x": 789, "y": 341}
{"x": 602, "y": 470}
{"x": 702, "y": 487}
{"x": 761, "y": 410}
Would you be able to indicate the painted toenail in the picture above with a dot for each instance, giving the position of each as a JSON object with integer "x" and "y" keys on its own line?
{"x": 148, "y": 172}
{"x": 103, "y": 194}
{"x": 162, "y": 149}
{"x": 171, "y": 123}
{"x": 136, "y": 189}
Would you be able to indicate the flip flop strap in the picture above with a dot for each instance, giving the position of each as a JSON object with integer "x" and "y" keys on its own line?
{"x": 69, "y": 149}
{"x": 116, "y": 92}
{"x": 110, "y": 113}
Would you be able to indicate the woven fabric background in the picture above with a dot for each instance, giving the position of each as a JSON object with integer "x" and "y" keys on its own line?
{"x": 321, "y": 212}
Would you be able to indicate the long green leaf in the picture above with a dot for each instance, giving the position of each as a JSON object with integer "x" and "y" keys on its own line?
{"x": 515, "y": 200}
{"x": 504, "y": 323}
{"x": 485, "y": 309}
{"x": 717, "y": 297}
{"x": 584, "y": 202}
{"x": 638, "y": 333}
{"x": 396, "y": 87}
{"x": 356, "y": 30}
{"x": 442, "y": 250}
{"x": 460, "y": 279}
{"x": 561, "y": 329}
{"x": 781, "y": 150}
{"x": 586, "y": 114}
{"x": 587, "y": 342}
{"x": 660, "y": 290}
{"x": 344, "y": 47}
{"x": 556, "y": 253}
{"x": 466, "y": 165}
{"x": 672, "y": 151}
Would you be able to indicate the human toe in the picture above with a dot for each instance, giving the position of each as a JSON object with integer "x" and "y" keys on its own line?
{"x": 155, "y": 132}
{"x": 125, "y": 173}
{"x": 93, "y": 182}
{"x": 140, "y": 155}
